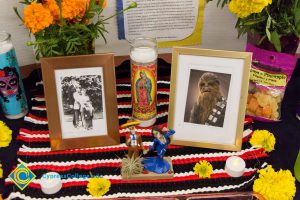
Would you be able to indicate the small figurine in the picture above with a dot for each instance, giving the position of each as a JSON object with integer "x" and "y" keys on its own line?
{"x": 133, "y": 140}
{"x": 160, "y": 143}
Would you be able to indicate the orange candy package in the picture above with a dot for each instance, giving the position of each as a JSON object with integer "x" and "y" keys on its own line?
{"x": 269, "y": 75}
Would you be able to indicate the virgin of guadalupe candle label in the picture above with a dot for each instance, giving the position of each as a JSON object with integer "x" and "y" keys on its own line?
{"x": 12, "y": 97}
{"x": 143, "y": 92}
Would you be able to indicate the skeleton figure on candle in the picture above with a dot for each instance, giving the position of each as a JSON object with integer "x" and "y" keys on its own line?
{"x": 9, "y": 84}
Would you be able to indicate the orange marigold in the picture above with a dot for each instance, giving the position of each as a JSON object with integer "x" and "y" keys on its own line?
{"x": 72, "y": 9}
{"x": 103, "y": 4}
{"x": 53, "y": 7}
{"x": 37, "y": 17}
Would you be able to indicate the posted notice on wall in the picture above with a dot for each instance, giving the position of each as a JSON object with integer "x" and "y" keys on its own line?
{"x": 167, "y": 20}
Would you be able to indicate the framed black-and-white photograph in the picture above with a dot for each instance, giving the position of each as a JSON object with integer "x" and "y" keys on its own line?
{"x": 81, "y": 101}
{"x": 208, "y": 97}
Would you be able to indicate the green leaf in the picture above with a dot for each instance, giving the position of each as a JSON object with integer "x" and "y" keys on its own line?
{"x": 297, "y": 16}
{"x": 269, "y": 22}
{"x": 252, "y": 22}
{"x": 57, "y": 53}
{"x": 268, "y": 33}
{"x": 298, "y": 29}
{"x": 276, "y": 41}
{"x": 17, "y": 13}
{"x": 224, "y": 3}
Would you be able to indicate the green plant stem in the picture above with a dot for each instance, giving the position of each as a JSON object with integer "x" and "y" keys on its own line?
{"x": 92, "y": 176}
{"x": 62, "y": 21}
{"x": 261, "y": 40}
{"x": 17, "y": 13}
{"x": 132, "y": 5}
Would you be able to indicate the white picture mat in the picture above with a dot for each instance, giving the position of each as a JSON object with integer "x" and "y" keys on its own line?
{"x": 99, "y": 128}
{"x": 204, "y": 133}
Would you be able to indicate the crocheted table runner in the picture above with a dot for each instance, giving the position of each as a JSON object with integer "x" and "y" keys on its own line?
{"x": 76, "y": 165}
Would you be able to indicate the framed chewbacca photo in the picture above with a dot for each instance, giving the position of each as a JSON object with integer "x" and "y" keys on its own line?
{"x": 208, "y": 97}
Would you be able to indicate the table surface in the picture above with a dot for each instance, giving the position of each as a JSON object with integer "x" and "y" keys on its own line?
{"x": 287, "y": 132}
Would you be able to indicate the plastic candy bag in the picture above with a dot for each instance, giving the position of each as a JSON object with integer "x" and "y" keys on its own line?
{"x": 269, "y": 75}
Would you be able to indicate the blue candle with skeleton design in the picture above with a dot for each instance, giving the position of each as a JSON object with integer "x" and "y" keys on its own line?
{"x": 12, "y": 95}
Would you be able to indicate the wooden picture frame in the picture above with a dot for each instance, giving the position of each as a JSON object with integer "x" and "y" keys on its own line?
{"x": 80, "y": 93}
{"x": 208, "y": 96}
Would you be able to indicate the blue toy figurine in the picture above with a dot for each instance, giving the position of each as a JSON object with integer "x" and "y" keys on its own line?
{"x": 160, "y": 143}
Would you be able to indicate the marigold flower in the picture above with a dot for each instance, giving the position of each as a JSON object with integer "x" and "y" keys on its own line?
{"x": 244, "y": 8}
{"x": 37, "y": 17}
{"x": 263, "y": 138}
{"x": 5, "y": 135}
{"x": 103, "y": 3}
{"x": 204, "y": 169}
{"x": 53, "y": 7}
{"x": 98, "y": 187}
{"x": 275, "y": 185}
{"x": 72, "y": 9}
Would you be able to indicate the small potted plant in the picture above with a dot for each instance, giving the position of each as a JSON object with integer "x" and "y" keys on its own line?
{"x": 65, "y": 27}
{"x": 270, "y": 24}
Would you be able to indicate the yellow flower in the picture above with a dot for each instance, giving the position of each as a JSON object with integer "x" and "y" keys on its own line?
{"x": 244, "y": 8}
{"x": 263, "y": 138}
{"x": 275, "y": 185}
{"x": 204, "y": 169}
{"x": 5, "y": 135}
{"x": 97, "y": 187}
{"x": 37, "y": 17}
{"x": 1, "y": 171}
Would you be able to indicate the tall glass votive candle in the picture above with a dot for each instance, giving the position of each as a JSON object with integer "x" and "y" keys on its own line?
{"x": 12, "y": 95}
{"x": 143, "y": 60}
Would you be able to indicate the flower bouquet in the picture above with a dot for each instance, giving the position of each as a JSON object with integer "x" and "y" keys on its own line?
{"x": 273, "y": 28}
{"x": 65, "y": 27}
{"x": 271, "y": 24}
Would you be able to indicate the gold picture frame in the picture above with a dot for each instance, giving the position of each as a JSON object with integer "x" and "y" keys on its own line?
{"x": 208, "y": 96}
{"x": 80, "y": 93}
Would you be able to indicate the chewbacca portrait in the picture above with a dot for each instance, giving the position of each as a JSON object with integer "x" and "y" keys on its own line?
{"x": 209, "y": 108}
